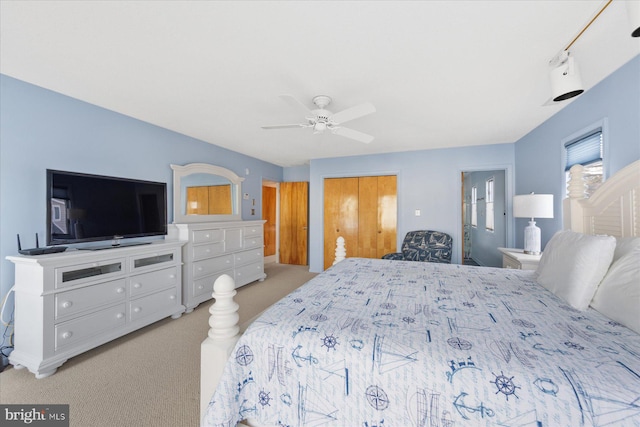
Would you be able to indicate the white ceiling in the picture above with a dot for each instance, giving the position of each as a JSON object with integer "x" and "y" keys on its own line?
{"x": 440, "y": 73}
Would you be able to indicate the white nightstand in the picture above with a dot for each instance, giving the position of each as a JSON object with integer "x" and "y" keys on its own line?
{"x": 516, "y": 258}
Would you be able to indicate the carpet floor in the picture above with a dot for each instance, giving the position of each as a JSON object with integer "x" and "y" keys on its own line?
{"x": 149, "y": 378}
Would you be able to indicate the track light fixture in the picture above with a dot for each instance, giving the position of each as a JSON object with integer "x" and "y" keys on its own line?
{"x": 565, "y": 77}
{"x": 633, "y": 9}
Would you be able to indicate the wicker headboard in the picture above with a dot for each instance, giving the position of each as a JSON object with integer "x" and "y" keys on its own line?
{"x": 613, "y": 209}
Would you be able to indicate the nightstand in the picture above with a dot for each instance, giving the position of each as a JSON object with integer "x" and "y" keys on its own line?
{"x": 516, "y": 258}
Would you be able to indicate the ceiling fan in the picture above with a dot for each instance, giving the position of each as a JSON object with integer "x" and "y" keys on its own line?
{"x": 322, "y": 119}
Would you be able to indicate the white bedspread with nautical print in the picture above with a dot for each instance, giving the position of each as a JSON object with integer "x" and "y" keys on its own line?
{"x": 394, "y": 344}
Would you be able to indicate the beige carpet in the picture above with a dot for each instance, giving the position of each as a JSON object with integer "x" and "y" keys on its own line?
{"x": 150, "y": 377}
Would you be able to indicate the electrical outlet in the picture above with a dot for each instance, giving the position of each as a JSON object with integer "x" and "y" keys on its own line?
{"x": 417, "y": 212}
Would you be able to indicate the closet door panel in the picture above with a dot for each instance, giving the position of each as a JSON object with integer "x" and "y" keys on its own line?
{"x": 340, "y": 216}
{"x": 368, "y": 217}
{"x": 387, "y": 215}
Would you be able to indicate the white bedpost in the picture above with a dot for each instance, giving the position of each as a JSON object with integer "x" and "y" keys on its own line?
{"x": 221, "y": 339}
{"x": 572, "y": 215}
{"x": 341, "y": 250}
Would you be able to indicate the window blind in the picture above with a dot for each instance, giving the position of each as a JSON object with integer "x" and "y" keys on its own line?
{"x": 585, "y": 150}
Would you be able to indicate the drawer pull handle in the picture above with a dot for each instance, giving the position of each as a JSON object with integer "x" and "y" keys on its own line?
{"x": 172, "y": 276}
{"x": 67, "y": 335}
{"x": 67, "y": 304}
{"x": 119, "y": 315}
{"x": 200, "y": 287}
{"x": 137, "y": 285}
{"x": 137, "y": 310}
{"x": 120, "y": 290}
{"x": 172, "y": 297}
{"x": 208, "y": 250}
{"x": 199, "y": 268}
{"x": 228, "y": 261}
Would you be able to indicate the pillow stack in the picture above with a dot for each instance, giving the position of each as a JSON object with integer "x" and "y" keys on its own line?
{"x": 573, "y": 264}
{"x": 618, "y": 296}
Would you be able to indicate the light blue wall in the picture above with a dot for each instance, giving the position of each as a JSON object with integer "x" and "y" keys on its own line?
{"x": 539, "y": 155}
{"x": 296, "y": 174}
{"x": 428, "y": 180}
{"x": 40, "y": 130}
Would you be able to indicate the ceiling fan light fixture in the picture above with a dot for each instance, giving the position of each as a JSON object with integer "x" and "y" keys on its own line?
{"x": 320, "y": 127}
{"x": 565, "y": 77}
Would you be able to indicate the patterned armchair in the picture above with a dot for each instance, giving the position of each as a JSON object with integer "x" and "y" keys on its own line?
{"x": 424, "y": 245}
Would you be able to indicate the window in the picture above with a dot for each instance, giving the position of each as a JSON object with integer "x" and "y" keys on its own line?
{"x": 474, "y": 208}
{"x": 587, "y": 150}
{"x": 490, "y": 221}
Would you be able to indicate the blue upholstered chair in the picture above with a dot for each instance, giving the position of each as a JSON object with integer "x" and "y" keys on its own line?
{"x": 424, "y": 245}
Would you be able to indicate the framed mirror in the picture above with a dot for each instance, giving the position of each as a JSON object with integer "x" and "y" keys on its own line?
{"x": 204, "y": 192}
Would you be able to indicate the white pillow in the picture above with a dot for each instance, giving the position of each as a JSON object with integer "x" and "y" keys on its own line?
{"x": 624, "y": 246}
{"x": 618, "y": 296}
{"x": 573, "y": 264}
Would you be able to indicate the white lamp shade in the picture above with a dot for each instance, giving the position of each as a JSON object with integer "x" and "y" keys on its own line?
{"x": 533, "y": 206}
{"x": 565, "y": 81}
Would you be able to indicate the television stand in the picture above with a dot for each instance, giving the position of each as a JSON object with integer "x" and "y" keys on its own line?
{"x": 73, "y": 301}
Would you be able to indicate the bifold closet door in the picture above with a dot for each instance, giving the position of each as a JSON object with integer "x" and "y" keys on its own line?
{"x": 340, "y": 216}
{"x": 377, "y": 218}
{"x": 363, "y": 210}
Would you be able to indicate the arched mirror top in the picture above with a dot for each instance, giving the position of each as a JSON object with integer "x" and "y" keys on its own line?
{"x": 204, "y": 192}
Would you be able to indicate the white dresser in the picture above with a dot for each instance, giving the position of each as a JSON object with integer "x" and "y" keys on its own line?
{"x": 214, "y": 248}
{"x": 73, "y": 301}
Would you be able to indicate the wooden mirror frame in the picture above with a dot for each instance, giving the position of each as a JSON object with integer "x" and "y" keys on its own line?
{"x": 179, "y": 197}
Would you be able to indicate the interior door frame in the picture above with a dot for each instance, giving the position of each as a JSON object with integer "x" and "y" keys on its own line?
{"x": 508, "y": 199}
{"x": 270, "y": 183}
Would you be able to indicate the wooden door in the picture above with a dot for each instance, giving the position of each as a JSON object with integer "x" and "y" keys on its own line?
{"x": 377, "y": 218}
{"x": 340, "y": 216}
{"x": 363, "y": 210}
{"x": 387, "y": 215}
{"x": 294, "y": 213}
{"x": 269, "y": 215}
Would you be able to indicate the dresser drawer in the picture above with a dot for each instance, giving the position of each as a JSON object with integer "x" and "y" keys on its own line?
{"x": 211, "y": 235}
{"x": 79, "y": 300}
{"x": 153, "y": 303}
{"x": 83, "y": 273}
{"x": 247, "y": 257}
{"x": 83, "y": 329}
{"x": 252, "y": 231}
{"x": 207, "y": 251}
{"x": 153, "y": 281}
{"x": 212, "y": 265}
{"x": 248, "y": 273}
{"x": 252, "y": 242}
{"x": 152, "y": 261}
{"x": 205, "y": 285}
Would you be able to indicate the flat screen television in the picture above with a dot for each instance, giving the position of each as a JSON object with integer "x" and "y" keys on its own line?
{"x": 87, "y": 208}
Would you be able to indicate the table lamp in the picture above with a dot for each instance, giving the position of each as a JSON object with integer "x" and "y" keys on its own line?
{"x": 532, "y": 206}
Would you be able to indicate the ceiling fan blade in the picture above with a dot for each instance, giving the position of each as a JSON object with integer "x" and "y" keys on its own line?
{"x": 284, "y": 126}
{"x": 353, "y": 134}
{"x": 353, "y": 113}
{"x": 293, "y": 102}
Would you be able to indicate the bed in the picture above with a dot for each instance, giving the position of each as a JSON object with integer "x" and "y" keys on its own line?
{"x": 396, "y": 343}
